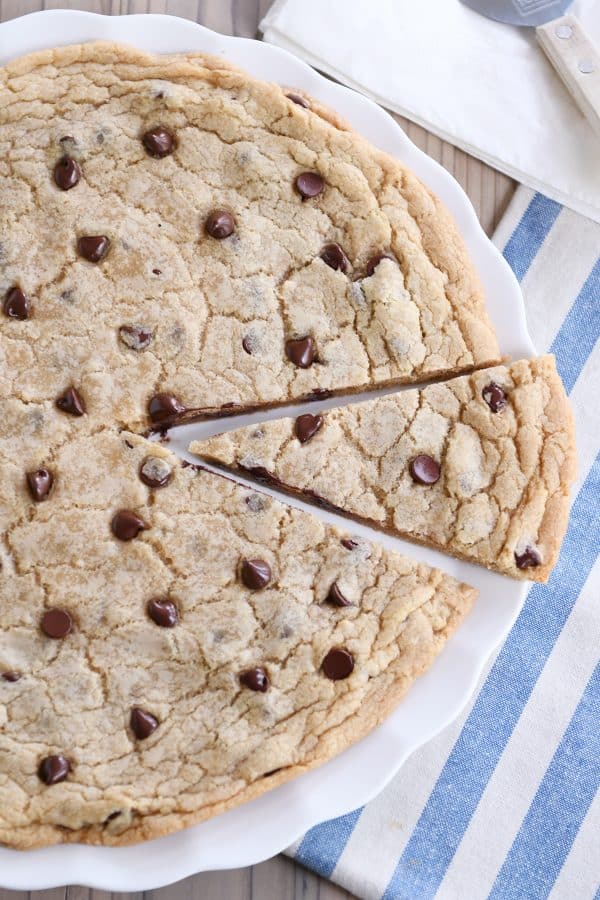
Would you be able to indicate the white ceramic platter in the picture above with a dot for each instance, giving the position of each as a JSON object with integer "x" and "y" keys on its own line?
{"x": 267, "y": 825}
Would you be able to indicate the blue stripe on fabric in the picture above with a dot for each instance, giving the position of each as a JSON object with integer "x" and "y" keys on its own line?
{"x": 499, "y": 705}
{"x": 323, "y": 845}
{"x": 558, "y": 808}
{"x": 529, "y": 235}
{"x": 579, "y": 331}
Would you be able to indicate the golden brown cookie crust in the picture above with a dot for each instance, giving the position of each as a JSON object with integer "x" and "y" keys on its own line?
{"x": 241, "y": 144}
{"x": 505, "y": 474}
{"x": 216, "y": 739}
{"x": 74, "y": 694}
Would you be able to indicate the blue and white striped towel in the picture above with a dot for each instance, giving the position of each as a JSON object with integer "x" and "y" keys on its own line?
{"x": 504, "y": 803}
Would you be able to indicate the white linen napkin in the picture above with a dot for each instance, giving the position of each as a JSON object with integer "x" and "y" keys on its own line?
{"x": 483, "y": 86}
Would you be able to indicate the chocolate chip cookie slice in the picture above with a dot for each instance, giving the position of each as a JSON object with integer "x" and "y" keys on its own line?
{"x": 203, "y": 236}
{"x": 479, "y": 466}
{"x": 212, "y": 646}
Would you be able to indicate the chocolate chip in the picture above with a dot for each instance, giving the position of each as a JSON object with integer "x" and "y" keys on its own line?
{"x": 424, "y": 469}
{"x": 248, "y": 344}
{"x": 219, "y": 224}
{"x": 158, "y": 142}
{"x": 93, "y": 247}
{"x": 163, "y": 612}
{"x": 16, "y": 304}
{"x": 494, "y": 396}
{"x": 335, "y": 596}
{"x": 349, "y": 544}
{"x": 255, "y": 573}
{"x": 56, "y": 623}
{"x": 255, "y": 679}
{"x": 165, "y": 407}
{"x": 142, "y": 723}
{"x": 11, "y": 676}
{"x": 528, "y": 559}
{"x": 301, "y": 352}
{"x": 157, "y": 271}
{"x": 306, "y": 426}
{"x": 338, "y": 664}
{"x": 309, "y": 184}
{"x": 334, "y": 256}
{"x": 255, "y": 502}
{"x": 126, "y": 525}
{"x": 67, "y": 173}
{"x": 263, "y": 475}
{"x": 298, "y": 99}
{"x": 374, "y": 262}
{"x": 156, "y": 472}
{"x": 53, "y": 769}
{"x": 40, "y": 484}
{"x": 70, "y": 402}
{"x": 137, "y": 337}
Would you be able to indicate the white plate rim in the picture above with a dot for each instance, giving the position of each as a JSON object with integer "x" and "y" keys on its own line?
{"x": 281, "y": 816}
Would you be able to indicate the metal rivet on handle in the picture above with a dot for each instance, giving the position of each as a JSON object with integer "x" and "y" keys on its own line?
{"x": 564, "y": 32}
{"x": 586, "y": 66}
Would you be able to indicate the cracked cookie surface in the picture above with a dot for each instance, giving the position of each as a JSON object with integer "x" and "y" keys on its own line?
{"x": 479, "y": 466}
{"x": 115, "y": 167}
{"x": 211, "y": 643}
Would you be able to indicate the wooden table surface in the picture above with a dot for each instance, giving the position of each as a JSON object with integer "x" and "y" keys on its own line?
{"x": 490, "y": 191}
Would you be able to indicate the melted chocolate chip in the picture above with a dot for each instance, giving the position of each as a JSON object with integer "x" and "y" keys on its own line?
{"x": 56, "y": 623}
{"x": 424, "y": 469}
{"x": 156, "y": 472}
{"x": 137, "y": 337}
{"x": 494, "y": 396}
{"x": 263, "y": 475}
{"x": 163, "y": 612}
{"x": 309, "y": 184}
{"x": 349, "y": 544}
{"x": 142, "y": 723}
{"x": 301, "y": 352}
{"x": 298, "y": 100}
{"x": 306, "y": 426}
{"x": 70, "y": 402}
{"x": 255, "y": 573}
{"x": 334, "y": 256}
{"x": 40, "y": 484}
{"x": 67, "y": 173}
{"x": 11, "y": 676}
{"x": 158, "y": 142}
{"x": 319, "y": 394}
{"x": 256, "y": 502}
{"x": 335, "y": 596}
{"x": 528, "y": 559}
{"x": 374, "y": 262}
{"x": 126, "y": 525}
{"x": 53, "y": 769}
{"x": 165, "y": 408}
{"x": 255, "y": 679}
{"x": 219, "y": 224}
{"x": 93, "y": 247}
{"x": 338, "y": 664}
{"x": 16, "y": 304}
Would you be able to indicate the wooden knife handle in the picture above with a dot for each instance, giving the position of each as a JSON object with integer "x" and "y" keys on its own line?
{"x": 577, "y": 61}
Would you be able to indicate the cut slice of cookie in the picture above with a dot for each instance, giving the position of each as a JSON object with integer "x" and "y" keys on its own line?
{"x": 180, "y": 239}
{"x": 173, "y": 644}
{"x": 479, "y": 466}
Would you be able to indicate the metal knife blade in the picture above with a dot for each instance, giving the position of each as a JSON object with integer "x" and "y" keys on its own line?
{"x": 520, "y": 12}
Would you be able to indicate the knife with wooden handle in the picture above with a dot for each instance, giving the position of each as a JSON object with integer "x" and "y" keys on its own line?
{"x": 569, "y": 49}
